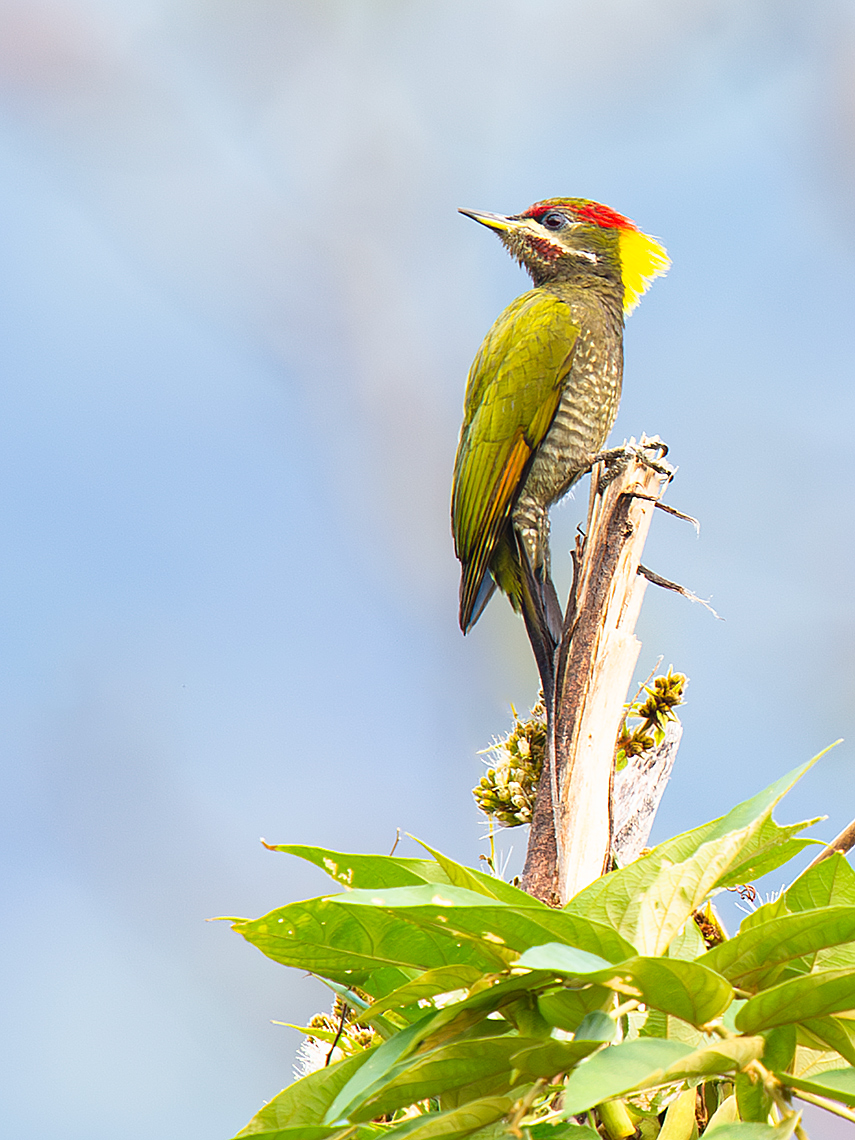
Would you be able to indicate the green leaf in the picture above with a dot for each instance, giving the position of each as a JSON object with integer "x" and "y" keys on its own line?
{"x": 726, "y": 1113}
{"x": 685, "y": 989}
{"x": 715, "y": 1059}
{"x": 810, "y": 1060}
{"x": 350, "y": 996}
{"x": 753, "y": 1100}
{"x": 460, "y": 876}
{"x": 431, "y": 1031}
{"x": 458, "y": 1122}
{"x": 563, "y": 959}
{"x": 552, "y": 1057}
{"x": 836, "y": 1032}
{"x": 679, "y": 1123}
{"x": 474, "y": 880}
{"x": 333, "y": 939}
{"x": 563, "y": 1131}
{"x": 442, "y": 980}
{"x": 375, "y": 1071}
{"x": 648, "y": 1062}
{"x": 367, "y": 871}
{"x": 829, "y": 883}
{"x": 730, "y": 1014}
{"x": 780, "y": 1131}
{"x": 658, "y": 1024}
{"x": 811, "y": 996}
{"x": 464, "y": 1015}
{"x": 749, "y": 957}
{"x": 596, "y": 1026}
{"x": 780, "y": 1047}
{"x": 305, "y": 1101}
{"x": 764, "y": 913}
{"x": 456, "y": 911}
{"x": 480, "y": 1066}
{"x": 688, "y": 943}
{"x": 648, "y": 901}
{"x": 769, "y": 849}
{"x": 840, "y": 957}
{"x": 524, "y": 1015}
{"x": 566, "y": 1009}
{"x": 837, "y": 1084}
{"x": 617, "y": 1070}
{"x": 318, "y": 1032}
{"x": 321, "y": 1132}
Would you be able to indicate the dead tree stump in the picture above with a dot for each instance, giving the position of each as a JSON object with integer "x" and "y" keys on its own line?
{"x": 572, "y": 834}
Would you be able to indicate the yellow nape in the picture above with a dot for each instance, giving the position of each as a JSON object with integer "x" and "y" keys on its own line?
{"x": 641, "y": 259}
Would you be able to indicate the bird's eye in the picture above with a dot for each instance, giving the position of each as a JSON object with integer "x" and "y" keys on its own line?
{"x": 553, "y": 220}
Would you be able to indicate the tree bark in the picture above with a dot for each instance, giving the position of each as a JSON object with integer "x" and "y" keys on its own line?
{"x": 571, "y": 837}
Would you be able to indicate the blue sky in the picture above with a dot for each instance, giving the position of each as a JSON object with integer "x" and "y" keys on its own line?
{"x": 238, "y": 311}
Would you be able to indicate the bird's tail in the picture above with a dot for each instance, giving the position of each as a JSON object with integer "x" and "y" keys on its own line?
{"x": 533, "y": 595}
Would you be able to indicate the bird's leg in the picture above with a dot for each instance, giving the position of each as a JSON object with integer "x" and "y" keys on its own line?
{"x": 615, "y": 461}
{"x": 531, "y": 522}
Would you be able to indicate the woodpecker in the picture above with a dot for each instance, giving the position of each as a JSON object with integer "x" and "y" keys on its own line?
{"x": 543, "y": 390}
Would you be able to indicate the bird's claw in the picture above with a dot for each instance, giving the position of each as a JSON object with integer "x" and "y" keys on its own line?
{"x": 650, "y": 452}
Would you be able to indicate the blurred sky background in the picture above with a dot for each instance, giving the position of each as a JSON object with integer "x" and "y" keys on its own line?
{"x": 238, "y": 311}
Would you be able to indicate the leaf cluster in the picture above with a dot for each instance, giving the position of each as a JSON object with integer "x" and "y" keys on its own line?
{"x": 495, "y": 1016}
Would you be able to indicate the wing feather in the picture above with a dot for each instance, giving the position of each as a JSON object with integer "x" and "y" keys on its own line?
{"x": 512, "y": 394}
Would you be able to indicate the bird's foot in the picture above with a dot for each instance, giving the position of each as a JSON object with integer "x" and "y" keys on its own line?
{"x": 614, "y": 461}
{"x": 651, "y": 452}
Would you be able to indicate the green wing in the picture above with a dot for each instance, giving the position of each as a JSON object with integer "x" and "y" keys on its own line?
{"x": 512, "y": 394}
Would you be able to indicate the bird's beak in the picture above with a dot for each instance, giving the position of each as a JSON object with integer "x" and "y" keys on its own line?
{"x": 492, "y": 221}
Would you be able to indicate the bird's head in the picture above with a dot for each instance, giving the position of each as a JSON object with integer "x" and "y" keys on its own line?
{"x": 574, "y": 238}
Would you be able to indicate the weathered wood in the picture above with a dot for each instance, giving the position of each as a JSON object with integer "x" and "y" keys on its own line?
{"x": 540, "y": 875}
{"x": 570, "y": 842}
{"x": 636, "y": 793}
{"x": 596, "y": 672}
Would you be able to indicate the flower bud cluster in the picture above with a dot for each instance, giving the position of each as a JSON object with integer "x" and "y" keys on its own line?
{"x": 662, "y": 697}
{"x": 341, "y": 1040}
{"x": 507, "y": 791}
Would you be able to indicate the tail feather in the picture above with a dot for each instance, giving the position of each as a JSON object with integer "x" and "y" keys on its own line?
{"x": 469, "y": 615}
{"x": 504, "y": 572}
{"x": 539, "y": 602}
{"x": 530, "y": 596}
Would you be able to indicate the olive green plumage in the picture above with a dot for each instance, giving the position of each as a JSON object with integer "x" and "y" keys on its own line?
{"x": 544, "y": 389}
